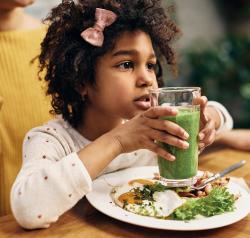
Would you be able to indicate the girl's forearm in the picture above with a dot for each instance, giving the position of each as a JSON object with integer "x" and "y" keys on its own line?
{"x": 98, "y": 154}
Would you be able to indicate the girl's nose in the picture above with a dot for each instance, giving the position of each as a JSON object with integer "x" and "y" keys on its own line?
{"x": 145, "y": 78}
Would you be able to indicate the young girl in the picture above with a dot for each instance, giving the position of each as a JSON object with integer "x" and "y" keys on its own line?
{"x": 101, "y": 59}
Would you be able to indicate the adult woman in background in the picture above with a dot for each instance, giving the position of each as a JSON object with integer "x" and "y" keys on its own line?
{"x": 23, "y": 101}
{"x": 238, "y": 139}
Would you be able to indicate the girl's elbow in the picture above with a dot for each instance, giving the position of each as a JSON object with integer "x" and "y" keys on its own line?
{"x": 25, "y": 212}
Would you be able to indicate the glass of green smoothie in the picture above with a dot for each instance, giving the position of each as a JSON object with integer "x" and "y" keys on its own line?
{"x": 181, "y": 171}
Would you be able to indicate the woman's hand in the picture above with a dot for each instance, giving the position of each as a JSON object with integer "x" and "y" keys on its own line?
{"x": 207, "y": 125}
{"x": 238, "y": 139}
{"x": 142, "y": 131}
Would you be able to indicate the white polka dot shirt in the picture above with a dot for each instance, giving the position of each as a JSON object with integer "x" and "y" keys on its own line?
{"x": 53, "y": 178}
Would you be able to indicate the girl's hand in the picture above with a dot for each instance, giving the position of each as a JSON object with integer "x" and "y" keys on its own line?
{"x": 207, "y": 125}
{"x": 143, "y": 130}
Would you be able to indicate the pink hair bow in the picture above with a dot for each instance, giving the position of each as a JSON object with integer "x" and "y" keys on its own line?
{"x": 94, "y": 35}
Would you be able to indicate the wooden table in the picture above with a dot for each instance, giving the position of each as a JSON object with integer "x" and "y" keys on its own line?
{"x": 85, "y": 221}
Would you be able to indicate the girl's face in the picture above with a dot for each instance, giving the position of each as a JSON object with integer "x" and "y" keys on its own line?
{"x": 10, "y": 4}
{"x": 124, "y": 77}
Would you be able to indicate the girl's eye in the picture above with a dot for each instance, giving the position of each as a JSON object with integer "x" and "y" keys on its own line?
{"x": 126, "y": 65}
{"x": 151, "y": 66}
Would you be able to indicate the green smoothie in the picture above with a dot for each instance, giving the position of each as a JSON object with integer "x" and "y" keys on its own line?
{"x": 186, "y": 163}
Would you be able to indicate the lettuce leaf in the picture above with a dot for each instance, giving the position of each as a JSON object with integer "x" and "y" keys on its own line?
{"x": 217, "y": 202}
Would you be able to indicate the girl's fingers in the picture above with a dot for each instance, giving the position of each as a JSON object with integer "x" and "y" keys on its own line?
{"x": 158, "y": 150}
{"x": 168, "y": 139}
{"x": 158, "y": 111}
{"x": 207, "y": 135}
{"x": 202, "y": 101}
{"x": 210, "y": 127}
{"x": 167, "y": 126}
{"x": 210, "y": 138}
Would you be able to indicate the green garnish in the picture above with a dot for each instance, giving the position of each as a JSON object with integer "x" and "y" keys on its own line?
{"x": 217, "y": 202}
{"x": 146, "y": 193}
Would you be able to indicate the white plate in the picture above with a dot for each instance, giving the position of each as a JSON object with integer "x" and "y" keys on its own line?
{"x": 100, "y": 199}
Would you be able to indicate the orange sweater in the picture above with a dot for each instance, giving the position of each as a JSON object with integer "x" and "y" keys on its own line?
{"x": 24, "y": 104}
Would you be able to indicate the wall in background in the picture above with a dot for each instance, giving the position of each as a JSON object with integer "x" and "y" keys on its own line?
{"x": 198, "y": 20}
{"x": 214, "y": 52}
{"x": 41, "y": 8}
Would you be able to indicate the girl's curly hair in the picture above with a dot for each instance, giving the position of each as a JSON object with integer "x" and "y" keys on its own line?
{"x": 69, "y": 61}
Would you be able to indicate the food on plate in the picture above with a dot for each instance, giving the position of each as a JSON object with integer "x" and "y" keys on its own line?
{"x": 146, "y": 197}
{"x": 150, "y": 197}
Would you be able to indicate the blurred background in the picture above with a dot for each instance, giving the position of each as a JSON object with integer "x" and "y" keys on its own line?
{"x": 213, "y": 51}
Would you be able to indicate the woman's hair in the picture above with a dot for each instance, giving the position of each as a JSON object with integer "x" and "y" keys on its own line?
{"x": 69, "y": 61}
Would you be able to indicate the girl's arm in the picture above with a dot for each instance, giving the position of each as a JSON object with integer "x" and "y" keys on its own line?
{"x": 138, "y": 133}
{"x": 51, "y": 181}
{"x": 53, "y": 177}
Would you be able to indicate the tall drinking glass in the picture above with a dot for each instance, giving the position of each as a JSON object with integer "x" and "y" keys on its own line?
{"x": 181, "y": 171}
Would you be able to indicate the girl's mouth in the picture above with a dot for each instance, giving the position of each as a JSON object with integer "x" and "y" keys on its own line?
{"x": 143, "y": 102}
